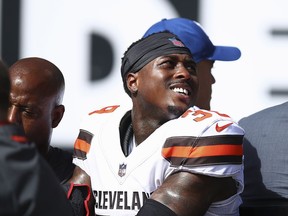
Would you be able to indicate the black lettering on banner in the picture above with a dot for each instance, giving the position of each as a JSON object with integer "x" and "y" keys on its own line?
{"x": 100, "y": 67}
{"x": 10, "y": 30}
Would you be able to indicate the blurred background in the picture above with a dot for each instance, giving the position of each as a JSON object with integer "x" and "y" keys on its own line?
{"x": 86, "y": 40}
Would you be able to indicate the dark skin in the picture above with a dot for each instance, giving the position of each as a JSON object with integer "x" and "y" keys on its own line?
{"x": 36, "y": 94}
{"x": 193, "y": 194}
{"x": 154, "y": 95}
{"x": 81, "y": 177}
{"x": 31, "y": 167}
{"x": 161, "y": 91}
{"x": 206, "y": 80}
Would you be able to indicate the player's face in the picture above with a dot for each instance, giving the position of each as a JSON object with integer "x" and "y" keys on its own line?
{"x": 206, "y": 80}
{"x": 168, "y": 85}
{"x": 31, "y": 108}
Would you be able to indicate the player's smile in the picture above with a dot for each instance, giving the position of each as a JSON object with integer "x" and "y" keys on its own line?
{"x": 183, "y": 92}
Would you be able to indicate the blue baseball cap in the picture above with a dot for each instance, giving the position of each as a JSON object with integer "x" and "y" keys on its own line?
{"x": 193, "y": 36}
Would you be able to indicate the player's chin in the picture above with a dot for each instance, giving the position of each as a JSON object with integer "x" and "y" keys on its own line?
{"x": 178, "y": 105}
{"x": 185, "y": 103}
{"x": 177, "y": 110}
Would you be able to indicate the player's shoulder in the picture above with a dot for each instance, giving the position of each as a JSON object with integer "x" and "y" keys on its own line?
{"x": 102, "y": 113}
{"x": 101, "y": 116}
{"x": 201, "y": 116}
{"x": 200, "y": 121}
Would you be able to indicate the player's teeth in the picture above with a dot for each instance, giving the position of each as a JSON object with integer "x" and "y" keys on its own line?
{"x": 180, "y": 90}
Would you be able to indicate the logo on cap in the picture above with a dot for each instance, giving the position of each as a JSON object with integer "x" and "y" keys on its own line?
{"x": 176, "y": 42}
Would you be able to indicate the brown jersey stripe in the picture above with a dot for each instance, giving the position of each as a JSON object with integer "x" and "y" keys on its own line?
{"x": 203, "y": 141}
{"x": 85, "y": 135}
{"x": 205, "y": 150}
{"x": 79, "y": 154}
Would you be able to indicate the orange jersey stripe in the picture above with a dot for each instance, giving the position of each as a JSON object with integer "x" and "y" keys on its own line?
{"x": 203, "y": 151}
{"x": 82, "y": 145}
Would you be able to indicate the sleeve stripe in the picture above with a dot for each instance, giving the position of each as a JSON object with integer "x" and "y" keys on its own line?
{"x": 82, "y": 144}
{"x": 190, "y": 151}
{"x": 202, "y": 151}
{"x": 203, "y": 141}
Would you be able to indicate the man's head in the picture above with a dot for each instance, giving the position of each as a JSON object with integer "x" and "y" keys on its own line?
{"x": 37, "y": 88}
{"x": 160, "y": 76}
{"x": 204, "y": 52}
{"x": 4, "y": 91}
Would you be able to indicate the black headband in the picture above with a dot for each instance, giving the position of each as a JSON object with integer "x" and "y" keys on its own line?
{"x": 142, "y": 52}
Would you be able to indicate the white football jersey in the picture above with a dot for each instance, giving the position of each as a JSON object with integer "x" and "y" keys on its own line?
{"x": 199, "y": 141}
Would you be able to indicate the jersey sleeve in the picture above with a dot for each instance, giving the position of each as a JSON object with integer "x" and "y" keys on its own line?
{"x": 91, "y": 124}
{"x": 206, "y": 143}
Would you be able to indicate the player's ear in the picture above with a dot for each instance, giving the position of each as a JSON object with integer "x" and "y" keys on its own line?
{"x": 57, "y": 115}
{"x": 132, "y": 83}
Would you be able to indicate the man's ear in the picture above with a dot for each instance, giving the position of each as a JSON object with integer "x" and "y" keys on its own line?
{"x": 57, "y": 115}
{"x": 132, "y": 84}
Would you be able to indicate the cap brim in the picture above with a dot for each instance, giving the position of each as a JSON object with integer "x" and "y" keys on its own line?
{"x": 225, "y": 53}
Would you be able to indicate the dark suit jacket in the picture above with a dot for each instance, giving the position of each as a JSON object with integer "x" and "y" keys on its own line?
{"x": 266, "y": 157}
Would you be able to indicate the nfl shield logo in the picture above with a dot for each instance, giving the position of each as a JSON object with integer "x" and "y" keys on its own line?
{"x": 176, "y": 42}
{"x": 122, "y": 169}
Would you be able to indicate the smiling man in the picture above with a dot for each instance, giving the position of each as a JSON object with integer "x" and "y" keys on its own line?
{"x": 204, "y": 52}
{"x": 163, "y": 156}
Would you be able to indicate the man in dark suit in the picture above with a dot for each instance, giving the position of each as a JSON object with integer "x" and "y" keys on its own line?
{"x": 265, "y": 162}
